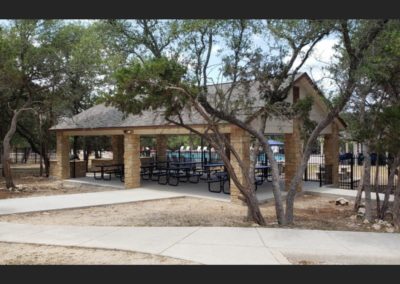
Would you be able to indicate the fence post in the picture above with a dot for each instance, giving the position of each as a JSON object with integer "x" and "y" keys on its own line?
{"x": 352, "y": 172}
{"x": 320, "y": 175}
{"x": 306, "y": 173}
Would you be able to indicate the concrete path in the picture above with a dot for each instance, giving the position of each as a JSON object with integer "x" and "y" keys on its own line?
{"x": 78, "y": 200}
{"x": 219, "y": 245}
{"x": 340, "y": 192}
{"x": 150, "y": 191}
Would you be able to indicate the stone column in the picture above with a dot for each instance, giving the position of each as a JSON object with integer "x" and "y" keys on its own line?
{"x": 132, "y": 160}
{"x": 293, "y": 154}
{"x": 161, "y": 147}
{"x": 117, "y": 145}
{"x": 331, "y": 151}
{"x": 240, "y": 141}
{"x": 62, "y": 154}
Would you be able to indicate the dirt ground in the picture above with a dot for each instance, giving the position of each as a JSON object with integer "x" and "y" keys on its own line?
{"x": 14, "y": 254}
{"x": 40, "y": 186}
{"x": 311, "y": 212}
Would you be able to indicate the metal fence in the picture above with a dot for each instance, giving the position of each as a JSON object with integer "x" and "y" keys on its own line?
{"x": 205, "y": 156}
{"x": 27, "y": 156}
{"x": 351, "y": 171}
{"x": 315, "y": 169}
{"x": 350, "y": 167}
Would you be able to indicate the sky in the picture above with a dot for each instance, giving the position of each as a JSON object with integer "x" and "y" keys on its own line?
{"x": 322, "y": 55}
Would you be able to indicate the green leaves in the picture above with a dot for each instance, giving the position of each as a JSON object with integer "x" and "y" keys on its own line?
{"x": 148, "y": 85}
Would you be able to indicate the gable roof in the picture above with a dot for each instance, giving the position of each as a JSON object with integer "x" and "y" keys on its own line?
{"x": 102, "y": 116}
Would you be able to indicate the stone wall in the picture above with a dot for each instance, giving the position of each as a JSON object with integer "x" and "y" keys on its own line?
{"x": 61, "y": 170}
{"x": 161, "y": 147}
{"x": 240, "y": 141}
{"x": 293, "y": 154}
{"x": 53, "y": 168}
{"x": 132, "y": 160}
{"x": 117, "y": 145}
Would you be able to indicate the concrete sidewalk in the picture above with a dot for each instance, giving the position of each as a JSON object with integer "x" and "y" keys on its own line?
{"x": 150, "y": 192}
{"x": 79, "y": 200}
{"x": 219, "y": 245}
{"x": 340, "y": 192}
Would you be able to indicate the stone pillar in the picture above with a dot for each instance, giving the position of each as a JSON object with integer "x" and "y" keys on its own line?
{"x": 117, "y": 145}
{"x": 161, "y": 147}
{"x": 293, "y": 154}
{"x": 62, "y": 154}
{"x": 331, "y": 151}
{"x": 321, "y": 145}
{"x": 240, "y": 141}
{"x": 132, "y": 160}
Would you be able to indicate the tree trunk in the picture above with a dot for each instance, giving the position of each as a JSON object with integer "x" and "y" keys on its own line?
{"x": 367, "y": 183}
{"x": 290, "y": 197}
{"x": 376, "y": 186}
{"x": 360, "y": 190}
{"x": 46, "y": 160}
{"x": 7, "y": 148}
{"x": 41, "y": 165}
{"x": 254, "y": 208}
{"x": 276, "y": 187}
{"x": 396, "y": 207}
{"x": 389, "y": 186}
{"x": 253, "y": 160}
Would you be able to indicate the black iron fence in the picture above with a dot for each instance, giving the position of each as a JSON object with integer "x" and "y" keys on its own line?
{"x": 351, "y": 171}
{"x": 202, "y": 156}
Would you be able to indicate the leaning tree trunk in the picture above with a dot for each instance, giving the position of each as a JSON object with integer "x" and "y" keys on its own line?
{"x": 7, "y": 149}
{"x": 246, "y": 187}
{"x": 46, "y": 160}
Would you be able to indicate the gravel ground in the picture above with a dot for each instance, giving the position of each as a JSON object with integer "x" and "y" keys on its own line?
{"x": 15, "y": 254}
{"x": 29, "y": 186}
{"x": 311, "y": 212}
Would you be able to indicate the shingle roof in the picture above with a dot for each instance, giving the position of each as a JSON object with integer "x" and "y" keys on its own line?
{"x": 102, "y": 116}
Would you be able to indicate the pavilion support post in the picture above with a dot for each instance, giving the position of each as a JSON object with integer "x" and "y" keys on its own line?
{"x": 240, "y": 141}
{"x": 62, "y": 170}
{"x": 117, "y": 145}
{"x": 331, "y": 151}
{"x": 132, "y": 160}
{"x": 161, "y": 147}
{"x": 293, "y": 154}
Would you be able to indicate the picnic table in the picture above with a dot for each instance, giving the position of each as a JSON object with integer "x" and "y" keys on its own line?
{"x": 264, "y": 169}
{"x": 113, "y": 169}
{"x": 207, "y": 168}
{"x": 220, "y": 178}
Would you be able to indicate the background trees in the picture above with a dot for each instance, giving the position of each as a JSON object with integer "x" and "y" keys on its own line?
{"x": 54, "y": 69}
